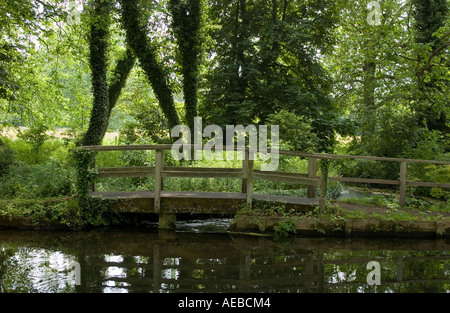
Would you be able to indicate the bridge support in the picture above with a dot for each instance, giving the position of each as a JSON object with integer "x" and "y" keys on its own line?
{"x": 167, "y": 220}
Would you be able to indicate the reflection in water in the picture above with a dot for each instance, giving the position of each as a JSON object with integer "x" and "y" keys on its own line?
{"x": 142, "y": 261}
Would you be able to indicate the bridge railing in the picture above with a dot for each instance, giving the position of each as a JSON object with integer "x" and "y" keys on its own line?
{"x": 247, "y": 173}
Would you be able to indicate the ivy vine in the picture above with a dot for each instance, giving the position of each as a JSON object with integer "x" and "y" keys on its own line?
{"x": 93, "y": 211}
{"x": 137, "y": 39}
{"x": 186, "y": 16}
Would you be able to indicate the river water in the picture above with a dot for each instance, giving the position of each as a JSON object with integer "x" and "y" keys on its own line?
{"x": 201, "y": 257}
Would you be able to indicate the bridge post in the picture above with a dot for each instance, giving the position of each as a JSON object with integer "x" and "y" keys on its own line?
{"x": 244, "y": 180}
{"x": 249, "y": 180}
{"x": 167, "y": 220}
{"x": 402, "y": 191}
{"x": 159, "y": 164}
{"x": 312, "y": 173}
{"x": 323, "y": 184}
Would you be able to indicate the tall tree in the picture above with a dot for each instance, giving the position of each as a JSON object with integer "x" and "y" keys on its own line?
{"x": 429, "y": 17}
{"x": 100, "y": 20}
{"x": 19, "y": 21}
{"x": 372, "y": 67}
{"x": 105, "y": 92}
{"x": 137, "y": 38}
{"x": 118, "y": 80}
{"x": 186, "y": 15}
{"x": 263, "y": 57}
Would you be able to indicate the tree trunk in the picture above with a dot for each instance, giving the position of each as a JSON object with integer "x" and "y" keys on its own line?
{"x": 186, "y": 24}
{"x": 137, "y": 39}
{"x": 118, "y": 80}
{"x": 99, "y": 20}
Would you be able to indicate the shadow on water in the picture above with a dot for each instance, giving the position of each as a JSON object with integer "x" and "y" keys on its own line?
{"x": 145, "y": 260}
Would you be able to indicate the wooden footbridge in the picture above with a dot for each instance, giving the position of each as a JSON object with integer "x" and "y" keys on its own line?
{"x": 169, "y": 203}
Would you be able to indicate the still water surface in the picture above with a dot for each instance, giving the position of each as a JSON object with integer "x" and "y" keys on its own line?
{"x": 201, "y": 257}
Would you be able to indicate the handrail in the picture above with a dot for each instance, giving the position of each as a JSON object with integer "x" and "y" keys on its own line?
{"x": 247, "y": 173}
{"x": 254, "y": 150}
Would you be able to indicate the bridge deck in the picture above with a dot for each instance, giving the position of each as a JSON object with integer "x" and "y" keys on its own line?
{"x": 196, "y": 201}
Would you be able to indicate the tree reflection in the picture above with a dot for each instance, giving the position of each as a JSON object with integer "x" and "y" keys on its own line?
{"x": 124, "y": 262}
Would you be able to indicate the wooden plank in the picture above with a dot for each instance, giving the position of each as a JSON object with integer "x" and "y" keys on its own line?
{"x": 335, "y": 156}
{"x": 203, "y": 174}
{"x": 365, "y": 180}
{"x": 205, "y": 169}
{"x": 170, "y": 171}
{"x": 429, "y": 162}
{"x": 132, "y": 171}
{"x": 124, "y": 169}
{"x": 282, "y": 152}
{"x": 158, "y": 179}
{"x": 427, "y": 184}
{"x": 287, "y": 174}
{"x": 287, "y": 199}
{"x": 285, "y": 178}
{"x": 128, "y": 147}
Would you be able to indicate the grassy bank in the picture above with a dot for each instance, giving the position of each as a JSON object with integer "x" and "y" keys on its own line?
{"x": 41, "y": 213}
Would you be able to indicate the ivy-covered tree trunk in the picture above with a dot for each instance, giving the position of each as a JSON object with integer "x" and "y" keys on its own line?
{"x": 98, "y": 43}
{"x": 137, "y": 39}
{"x": 117, "y": 82}
{"x": 186, "y": 16}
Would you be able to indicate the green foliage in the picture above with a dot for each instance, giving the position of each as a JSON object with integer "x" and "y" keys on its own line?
{"x": 93, "y": 211}
{"x": 52, "y": 149}
{"x": 118, "y": 79}
{"x": 35, "y": 135}
{"x": 18, "y": 21}
{"x": 263, "y": 60}
{"x": 64, "y": 211}
{"x": 27, "y": 181}
{"x": 6, "y": 157}
{"x": 30, "y": 174}
{"x": 85, "y": 176}
{"x": 296, "y": 132}
{"x": 285, "y": 228}
{"x": 428, "y": 18}
{"x": 152, "y": 123}
{"x": 394, "y": 89}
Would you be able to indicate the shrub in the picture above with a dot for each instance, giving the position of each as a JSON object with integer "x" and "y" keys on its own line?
{"x": 27, "y": 181}
{"x": 50, "y": 149}
{"x": 296, "y": 131}
{"x": 285, "y": 228}
{"x": 6, "y": 157}
{"x": 35, "y": 135}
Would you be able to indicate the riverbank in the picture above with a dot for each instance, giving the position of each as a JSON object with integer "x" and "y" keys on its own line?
{"x": 339, "y": 227}
{"x": 41, "y": 214}
{"x": 343, "y": 218}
